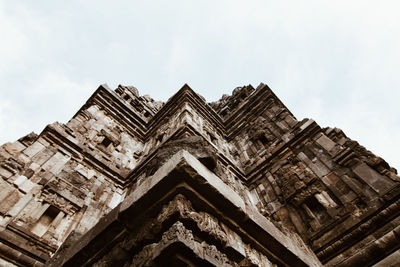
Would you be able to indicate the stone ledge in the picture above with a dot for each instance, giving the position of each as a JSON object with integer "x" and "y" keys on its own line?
{"x": 185, "y": 168}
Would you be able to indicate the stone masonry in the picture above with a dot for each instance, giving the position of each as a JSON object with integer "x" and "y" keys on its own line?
{"x": 130, "y": 181}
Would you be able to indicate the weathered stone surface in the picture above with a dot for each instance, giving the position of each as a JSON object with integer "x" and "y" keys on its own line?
{"x": 236, "y": 182}
{"x": 379, "y": 183}
{"x": 33, "y": 149}
{"x": 183, "y": 167}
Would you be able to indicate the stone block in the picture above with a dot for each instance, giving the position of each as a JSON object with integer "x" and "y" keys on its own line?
{"x": 338, "y": 187}
{"x": 55, "y": 163}
{"x": 234, "y": 241}
{"x": 23, "y": 158}
{"x": 290, "y": 120}
{"x": 115, "y": 200}
{"x": 282, "y": 125}
{"x": 326, "y": 142}
{"x": 59, "y": 165}
{"x": 33, "y": 149}
{"x": 27, "y": 186}
{"x": 43, "y": 156}
{"x": 5, "y": 190}
{"x": 20, "y": 180}
{"x": 381, "y": 184}
{"x": 307, "y": 123}
{"x": 34, "y": 166}
{"x": 14, "y": 147}
{"x": 317, "y": 167}
{"x": 8, "y": 203}
{"x": 5, "y": 173}
{"x": 91, "y": 134}
{"x": 84, "y": 171}
{"x": 5, "y": 154}
{"x": 253, "y": 196}
{"x": 43, "y": 141}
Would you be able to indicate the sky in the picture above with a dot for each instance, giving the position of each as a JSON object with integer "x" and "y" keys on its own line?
{"x": 336, "y": 62}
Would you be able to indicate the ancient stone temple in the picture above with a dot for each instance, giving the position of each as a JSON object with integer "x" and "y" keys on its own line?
{"x": 130, "y": 181}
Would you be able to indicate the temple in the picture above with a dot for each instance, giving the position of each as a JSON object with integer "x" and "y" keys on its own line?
{"x": 130, "y": 181}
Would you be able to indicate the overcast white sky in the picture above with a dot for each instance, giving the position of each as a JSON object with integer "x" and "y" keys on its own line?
{"x": 337, "y": 62}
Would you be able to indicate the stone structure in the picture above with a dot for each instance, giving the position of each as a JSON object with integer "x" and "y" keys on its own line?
{"x": 237, "y": 182}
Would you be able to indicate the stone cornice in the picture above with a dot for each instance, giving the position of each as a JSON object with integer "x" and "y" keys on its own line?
{"x": 358, "y": 231}
{"x": 184, "y": 174}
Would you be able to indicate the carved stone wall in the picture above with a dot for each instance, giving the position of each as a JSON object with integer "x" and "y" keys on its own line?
{"x": 320, "y": 188}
